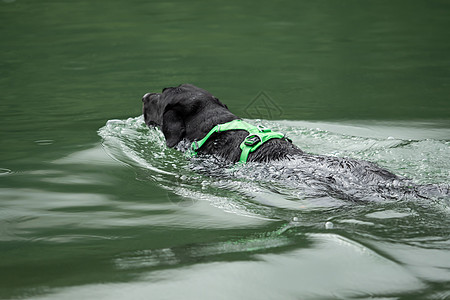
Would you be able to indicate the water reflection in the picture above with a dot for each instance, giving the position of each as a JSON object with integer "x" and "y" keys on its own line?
{"x": 267, "y": 231}
{"x": 301, "y": 272}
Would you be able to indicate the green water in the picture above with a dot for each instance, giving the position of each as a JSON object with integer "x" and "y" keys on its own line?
{"x": 91, "y": 209}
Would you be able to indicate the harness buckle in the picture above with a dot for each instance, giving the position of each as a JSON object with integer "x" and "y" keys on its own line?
{"x": 252, "y": 140}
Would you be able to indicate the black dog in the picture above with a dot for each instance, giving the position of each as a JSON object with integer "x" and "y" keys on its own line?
{"x": 189, "y": 113}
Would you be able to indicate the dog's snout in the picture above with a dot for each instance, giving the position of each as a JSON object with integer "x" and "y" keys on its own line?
{"x": 146, "y": 96}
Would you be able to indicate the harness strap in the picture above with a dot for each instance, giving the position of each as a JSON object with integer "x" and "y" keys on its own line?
{"x": 257, "y": 136}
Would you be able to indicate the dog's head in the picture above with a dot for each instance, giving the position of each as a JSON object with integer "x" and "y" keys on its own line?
{"x": 185, "y": 111}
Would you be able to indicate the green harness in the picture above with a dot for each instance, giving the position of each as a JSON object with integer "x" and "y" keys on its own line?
{"x": 257, "y": 135}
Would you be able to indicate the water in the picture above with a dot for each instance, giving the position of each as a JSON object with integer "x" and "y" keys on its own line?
{"x": 93, "y": 205}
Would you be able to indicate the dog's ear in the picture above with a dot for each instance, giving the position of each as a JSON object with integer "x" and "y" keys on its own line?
{"x": 173, "y": 126}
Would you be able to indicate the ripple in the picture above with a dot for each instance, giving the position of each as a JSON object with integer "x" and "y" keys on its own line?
{"x": 44, "y": 142}
{"x": 76, "y": 238}
{"x": 388, "y": 214}
{"x": 4, "y": 171}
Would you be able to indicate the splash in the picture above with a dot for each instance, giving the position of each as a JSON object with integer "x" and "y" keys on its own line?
{"x": 278, "y": 190}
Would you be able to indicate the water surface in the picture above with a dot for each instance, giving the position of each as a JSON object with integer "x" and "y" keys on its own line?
{"x": 93, "y": 205}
